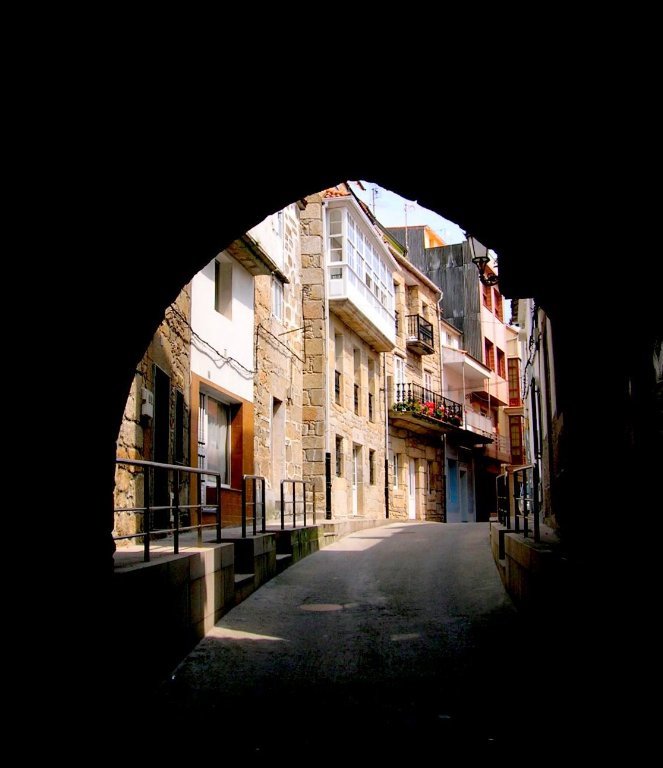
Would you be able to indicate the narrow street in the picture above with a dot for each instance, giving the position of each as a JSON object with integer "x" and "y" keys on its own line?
{"x": 393, "y": 641}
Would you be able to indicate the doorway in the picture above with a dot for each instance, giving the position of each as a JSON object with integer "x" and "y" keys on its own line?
{"x": 412, "y": 491}
{"x": 356, "y": 465}
{"x": 160, "y": 448}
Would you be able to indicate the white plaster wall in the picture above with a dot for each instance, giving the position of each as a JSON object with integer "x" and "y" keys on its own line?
{"x": 231, "y": 338}
{"x": 270, "y": 238}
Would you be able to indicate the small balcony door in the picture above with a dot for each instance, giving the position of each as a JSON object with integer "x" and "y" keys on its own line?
{"x": 412, "y": 491}
{"x": 355, "y": 478}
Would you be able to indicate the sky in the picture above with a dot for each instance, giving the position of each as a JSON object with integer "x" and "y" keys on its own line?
{"x": 390, "y": 211}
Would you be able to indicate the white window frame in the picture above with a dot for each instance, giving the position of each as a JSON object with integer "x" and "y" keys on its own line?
{"x": 277, "y": 298}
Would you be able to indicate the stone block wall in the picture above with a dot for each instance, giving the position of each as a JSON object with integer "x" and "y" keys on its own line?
{"x": 170, "y": 351}
{"x": 279, "y": 354}
{"x": 315, "y": 348}
{"x": 356, "y": 429}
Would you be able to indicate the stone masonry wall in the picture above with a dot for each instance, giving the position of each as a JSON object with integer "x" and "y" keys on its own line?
{"x": 315, "y": 347}
{"x": 356, "y": 429}
{"x": 279, "y": 354}
{"x": 170, "y": 350}
{"x": 410, "y": 300}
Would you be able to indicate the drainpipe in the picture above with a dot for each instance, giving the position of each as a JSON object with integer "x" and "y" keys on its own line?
{"x": 327, "y": 324}
{"x": 386, "y": 438}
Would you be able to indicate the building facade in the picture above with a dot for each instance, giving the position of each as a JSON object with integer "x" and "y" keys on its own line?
{"x": 479, "y": 354}
{"x": 279, "y": 356}
{"x": 155, "y": 424}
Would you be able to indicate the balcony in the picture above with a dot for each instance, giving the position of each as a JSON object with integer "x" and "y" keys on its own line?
{"x": 419, "y": 337}
{"x": 499, "y": 449}
{"x": 421, "y": 410}
{"x": 473, "y": 372}
{"x": 359, "y": 308}
{"x": 478, "y": 423}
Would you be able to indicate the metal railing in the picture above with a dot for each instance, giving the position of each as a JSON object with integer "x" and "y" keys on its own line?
{"x": 424, "y": 402}
{"x": 294, "y": 500}
{"x": 254, "y": 502}
{"x": 518, "y": 498}
{"x": 419, "y": 329}
{"x": 175, "y": 509}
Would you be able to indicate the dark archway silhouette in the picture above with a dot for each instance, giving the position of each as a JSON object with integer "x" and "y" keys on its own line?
{"x": 141, "y": 221}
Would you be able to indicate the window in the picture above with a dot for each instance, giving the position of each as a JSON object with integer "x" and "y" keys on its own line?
{"x": 399, "y": 379}
{"x": 371, "y": 467}
{"x": 278, "y": 442}
{"x": 514, "y": 381}
{"x": 357, "y": 384}
{"x": 277, "y": 298}
{"x": 516, "y": 435}
{"x": 223, "y": 288}
{"x": 489, "y": 354}
{"x": 497, "y": 302}
{"x": 338, "y": 373}
{"x": 429, "y": 475}
{"x": 179, "y": 428}
{"x": 277, "y": 223}
{"x": 428, "y": 385}
{"x": 339, "y": 456}
{"x": 501, "y": 363}
{"x": 487, "y": 296}
{"x": 395, "y": 466}
{"x": 347, "y": 243}
{"x": 371, "y": 389}
{"x": 214, "y": 436}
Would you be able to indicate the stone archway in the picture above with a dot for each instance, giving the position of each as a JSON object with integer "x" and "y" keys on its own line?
{"x": 142, "y": 229}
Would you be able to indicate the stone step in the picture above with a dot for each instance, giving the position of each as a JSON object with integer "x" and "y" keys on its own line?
{"x": 244, "y": 586}
{"x": 283, "y": 561}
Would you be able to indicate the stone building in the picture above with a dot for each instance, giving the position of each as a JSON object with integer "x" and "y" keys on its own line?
{"x": 223, "y": 361}
{"x": 419, "y": 416}
{"x": 373, "y": 418}
{"x": 279, "y": 356}
{"x": 347, "y": 274}
{"x": 155, "y": 424}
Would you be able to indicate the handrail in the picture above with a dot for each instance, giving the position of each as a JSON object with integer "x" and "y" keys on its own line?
{"x": 295, "y": 483}
{"x": 518, "y": 496}
{"x": 176, "y": 508}
{"x": 425, "y": 402}
{"x": 254, "y": 503}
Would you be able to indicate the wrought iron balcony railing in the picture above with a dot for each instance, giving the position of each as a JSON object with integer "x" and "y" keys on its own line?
{"x": 426, "y": 404}
{"x": 419, "y": 335}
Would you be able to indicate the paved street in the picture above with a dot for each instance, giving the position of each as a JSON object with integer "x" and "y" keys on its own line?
{"x": 392, "y": 641}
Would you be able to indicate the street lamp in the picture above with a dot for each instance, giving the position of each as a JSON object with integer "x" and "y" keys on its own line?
{"x": 481, "y": 262}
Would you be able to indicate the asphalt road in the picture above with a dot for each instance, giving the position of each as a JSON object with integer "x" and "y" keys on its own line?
{"x": 393, "y": 642}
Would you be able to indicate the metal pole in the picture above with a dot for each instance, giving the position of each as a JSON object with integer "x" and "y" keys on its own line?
{"x": 264, "y": 508}
{"x": 535, "y": 501}
{"x": 176, "y": 531}
{"x": 146, "y": 517}
{"x": 255, "y": 505}
{"x": 386, "y": 487}
{"x": 218, "y": 510}
{"x": 199, "y": 516}
{"x": 328, "y": 488}
{"x": 283, "y": 504}
{"x": 243, "y": 508}
{"x": 313, "y": 492}
{"x": 294, "y": 504}
{"x": 525, "y": 505}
